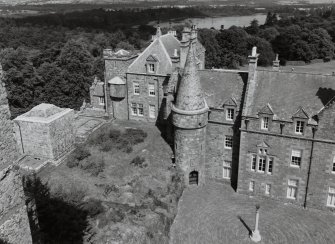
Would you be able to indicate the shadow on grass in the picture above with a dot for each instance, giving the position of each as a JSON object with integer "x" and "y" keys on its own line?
{"x": 59, "y": 221}
{"x": 245, "y": 225}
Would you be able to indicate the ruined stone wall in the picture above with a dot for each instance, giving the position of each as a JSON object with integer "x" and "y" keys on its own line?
{"x": 8, "y": 146}
{"x": 14, "y": 221}
{"x": 62, "y": 135}
{"x": 34, "y": 138}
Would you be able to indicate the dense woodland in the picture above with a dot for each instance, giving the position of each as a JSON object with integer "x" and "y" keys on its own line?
{"x": 54, "y": 58}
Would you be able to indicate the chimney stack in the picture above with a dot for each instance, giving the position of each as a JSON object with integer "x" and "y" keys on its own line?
{"x": 184, "y": 45}
{"x": 253, "y": 58}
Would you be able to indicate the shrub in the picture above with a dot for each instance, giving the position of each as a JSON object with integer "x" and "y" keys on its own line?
{"x": 93, "y": 165}
{"x": 114, "y": 134}
{"x": 81, "y": 152}
{"x": 139, "y": 162}
{"x": 107, "y": 146}
{"x": 134, "y": 136}
{"x": 72, "y": 162}
{"x": 92, "y": 207}
{"x": 110, "y": 188}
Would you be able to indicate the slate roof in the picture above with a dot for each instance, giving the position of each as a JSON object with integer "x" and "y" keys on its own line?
{"x": 170, "y": 43}
{"x": 221, "y": 85}
{"x": 157, "y": 49}
{"x": 190, "y": 95}
{"x": 287, "y": 92}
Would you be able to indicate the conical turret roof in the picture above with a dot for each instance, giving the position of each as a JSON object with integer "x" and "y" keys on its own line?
{"x": 189, "y": 95}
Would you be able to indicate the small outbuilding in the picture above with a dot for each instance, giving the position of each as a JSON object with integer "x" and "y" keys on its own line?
{"x": 45, "y": 131}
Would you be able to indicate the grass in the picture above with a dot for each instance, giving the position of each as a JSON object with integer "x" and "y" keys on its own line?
{"x": 126, "y": 195}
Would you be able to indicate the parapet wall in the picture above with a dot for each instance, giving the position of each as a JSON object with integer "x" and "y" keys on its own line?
{"x": 8, "y": 146}
{"x": 14, "y": 221}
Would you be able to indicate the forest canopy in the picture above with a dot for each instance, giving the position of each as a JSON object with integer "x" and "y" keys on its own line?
{"x": 54, "y": 58}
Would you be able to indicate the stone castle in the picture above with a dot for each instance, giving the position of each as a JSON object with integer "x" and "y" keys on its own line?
{"x": 267, "y": 132}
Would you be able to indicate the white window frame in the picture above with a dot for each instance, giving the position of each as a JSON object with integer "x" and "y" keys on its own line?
{"x": 295, "y": 157}
{"x": 102, "y": 101}
{"x": 270, "y": 165}
{"x": 152, "y": 113}
{"x": 253, "y": 162}
{"x": 151, "y": 68}
{"x": 267, "y": 189}
{"x": 265, "y": 123}
{"x": 261, "y": 164}
{"x": 136, "y": 88}
{"x": 134, "y": 109}
{"x": 137, "y": 109}
{"x": 228, "y": 139}
{"x": 226, "y": 170}
{"x": 331, "y": 197}
{"x": 299, "y": 127}
{"x": 292, "y": 189}
{"x": 230, "y": 114}
{"x": 151, "y": 89}
{"x": 252, "y": 186}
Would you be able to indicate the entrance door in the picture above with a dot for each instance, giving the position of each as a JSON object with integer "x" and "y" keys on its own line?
{"x": 194, "y": 178}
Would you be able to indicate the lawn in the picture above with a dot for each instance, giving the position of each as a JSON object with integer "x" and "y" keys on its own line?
{"x": 117, "y": 187}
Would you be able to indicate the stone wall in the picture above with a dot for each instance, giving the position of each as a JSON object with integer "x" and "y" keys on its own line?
{"x": 33, "y": 138}
{"x": 8, "y": 146}
{"x": 62, "y": 135}
{"x": 280, "y": 149}
{"x": 14, "y": 221}
{"x": 144, "y": 98}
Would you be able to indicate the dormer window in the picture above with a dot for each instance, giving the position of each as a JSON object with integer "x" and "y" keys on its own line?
{"x": 152, "y": 63}
{"x": 151, "y": 68}
{"x": 230, "y": 114}
{"x": 266, "y": 115}
{"x": 300, "y": 119}
{"x": 230, "y": 106}
{"x": 299, "y": 127}
{"x": 265, "y": 123}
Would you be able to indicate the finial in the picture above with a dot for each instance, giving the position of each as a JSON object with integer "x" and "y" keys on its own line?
{"x": 277, "y": 57}
{"x": 158, "y": 31}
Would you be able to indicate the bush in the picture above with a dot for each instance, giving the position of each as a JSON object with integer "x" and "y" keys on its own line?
{"x": 93, "y": 165}
{"x": 135, "y": 136}
{"x": 110, "y": 188}
{"x": 73, "y": 194}
{"x": 92, "y": 207}
{"x": 139, "y": 162}
{"x": 81, "y": 152}
{"x": 72, "y": 162}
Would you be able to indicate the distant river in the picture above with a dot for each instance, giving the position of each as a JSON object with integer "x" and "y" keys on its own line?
{"x": 216, "y": 22}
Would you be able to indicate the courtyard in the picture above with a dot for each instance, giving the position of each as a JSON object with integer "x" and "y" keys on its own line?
{"x": 215, "y": 214}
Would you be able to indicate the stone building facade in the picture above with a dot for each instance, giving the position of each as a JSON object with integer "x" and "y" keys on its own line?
{"x": 45, "y": 131}
{"x": 267, "y": 132}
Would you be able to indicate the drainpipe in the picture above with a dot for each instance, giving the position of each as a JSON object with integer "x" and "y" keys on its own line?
{"x": 106, "y": 95}
{"x": 309, "y": 167}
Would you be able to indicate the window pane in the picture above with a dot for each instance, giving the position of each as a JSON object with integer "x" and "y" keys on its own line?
{"x": 265, "y": 123}
{"x": 230, "y": 114}
{"x": 261, "y": 164}
{"x": 136, "y": 88}
{"x": 228, "y": 142}
{"x": 152, "y": 90}
{"x": 253, "y": 162}
{"x": 140, "y": 109}
{"x": 152, "y": 111}
{"x": 267, "y": 188}
{"x": 252, "y": 186}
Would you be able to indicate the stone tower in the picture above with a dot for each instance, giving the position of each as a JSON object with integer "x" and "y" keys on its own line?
{"x": 190, "y": 117}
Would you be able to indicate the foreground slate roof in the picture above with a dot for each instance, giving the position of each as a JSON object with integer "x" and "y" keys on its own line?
{"x": 222, "y": 85}
{"x": 288, "y": 92}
